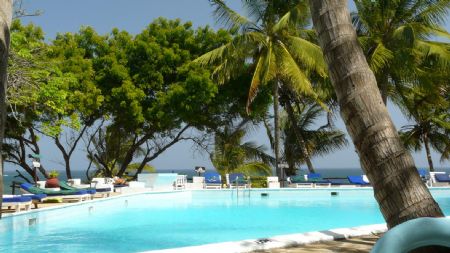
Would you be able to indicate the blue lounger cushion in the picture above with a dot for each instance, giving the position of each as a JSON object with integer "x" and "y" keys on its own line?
{"x": 26, "y": 186}
{"x": 212, "y": 178}
{"x": 317, "y": 178}
{"x": 357, "y": 180}
{"x": 90, "y": 191}
{"x": 314, "y": 176}
{"x": 107, "y": 189}
{"x": 236, "y": 178}
{"x": 442, "y": 178}
{"x": 38, "y": 197}
{"x": 423, "y": 173}
{"x": 415, "y": 234}
{"x": 16, "y": 199}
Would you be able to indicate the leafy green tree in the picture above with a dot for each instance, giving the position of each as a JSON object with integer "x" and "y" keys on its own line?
{"x": 276, "y": 41}
{"x": 318, "y": 142}
{"x": 28, "y": 72}
{"x": 52, "y": 94}
{"x": 80, "y": 100}
{"x": 397, "y": 36}
{"x": 152, "y": 94}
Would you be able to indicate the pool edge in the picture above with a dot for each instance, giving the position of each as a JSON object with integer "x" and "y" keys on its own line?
{"x": 281, "y": 241}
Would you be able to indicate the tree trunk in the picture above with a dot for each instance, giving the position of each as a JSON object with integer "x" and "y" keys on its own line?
{"x": 390, "y": 168}
{"x": 276, "y": 130}
{"x": 5, "y": 23}
{"x": 426, "y": 142}
{"x": 299, "y": 137}
{"x": 68, "y": 170}
{"x": 384, "y": 85}
{"x": 65, "y": 156}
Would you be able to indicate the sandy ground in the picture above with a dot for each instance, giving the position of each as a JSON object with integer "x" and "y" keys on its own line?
{"x": 353, "y": 245}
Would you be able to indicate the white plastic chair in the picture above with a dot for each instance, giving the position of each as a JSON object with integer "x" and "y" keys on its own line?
{"x": 272, "y": 182}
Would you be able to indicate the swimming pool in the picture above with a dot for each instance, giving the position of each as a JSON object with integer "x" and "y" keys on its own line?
{"x": 168, "y": 220}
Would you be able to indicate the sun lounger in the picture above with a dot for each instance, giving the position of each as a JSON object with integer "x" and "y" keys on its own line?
{"x": 358, "y": 180}
{"x": 35, "y": 198}
{"x": 237, "y": 180}
{"x": 103, "y": 184}
{"x": 68, "y": 195}
{"x": 318, "y": 181}
{"x": 299, "y": 181}
{"x": 213, "y": 180}
{"x": 442, "y": 178}
{"x": 92, "y": 191}
{"x": 17, "y": 203}
{"x": 340, "y": 182}
{"x": 434, "y": 181}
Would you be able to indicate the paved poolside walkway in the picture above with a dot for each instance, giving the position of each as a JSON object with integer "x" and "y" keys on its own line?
{"x": 352, "y": 245}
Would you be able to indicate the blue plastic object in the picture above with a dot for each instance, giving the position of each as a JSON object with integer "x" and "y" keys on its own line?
{"x": 442, "y": 178}
{"x": 314, "y": 176}
{"x": 212, "y": 178}
{"x": 414, "y": 234}
{"x": 236, "y": 178}
{"x": 16, "y": 199}
{"x": 357, "y": 180}
{"x": 423, "y": 173}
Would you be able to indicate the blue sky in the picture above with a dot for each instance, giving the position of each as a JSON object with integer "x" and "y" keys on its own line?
{"x": 133, "y": 15}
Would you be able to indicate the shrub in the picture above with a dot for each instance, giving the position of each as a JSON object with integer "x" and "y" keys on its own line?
{"x": 259, "y": 182}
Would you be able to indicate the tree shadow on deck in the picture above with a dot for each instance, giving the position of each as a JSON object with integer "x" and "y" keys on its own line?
{"x": 352, "y": 245}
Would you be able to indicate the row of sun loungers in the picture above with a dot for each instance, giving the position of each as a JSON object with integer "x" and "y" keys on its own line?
{"x": 33, "y": 195}
{"x": 213, "y": 180}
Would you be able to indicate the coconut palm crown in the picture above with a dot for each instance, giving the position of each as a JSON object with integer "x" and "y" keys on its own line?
{"x": 275, "y": 41}
{"x": 398, "y": 35}
{"x": 318, "y": 142}
{"x": 231, "y": 154}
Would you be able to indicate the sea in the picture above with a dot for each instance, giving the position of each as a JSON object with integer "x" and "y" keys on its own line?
{"x": 10, "y": 176}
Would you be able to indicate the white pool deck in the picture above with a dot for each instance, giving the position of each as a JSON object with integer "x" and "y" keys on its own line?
{"x": 249, "y": 245}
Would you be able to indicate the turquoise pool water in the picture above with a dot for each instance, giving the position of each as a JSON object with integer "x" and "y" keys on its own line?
{"x": 158, "y": 221}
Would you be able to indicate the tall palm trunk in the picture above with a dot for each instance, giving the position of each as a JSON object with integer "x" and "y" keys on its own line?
{"x": 383, "y": 83}
{"x": 390, "y": 168}
{"x": 5, "y": 24}
{"x": 276, "y": 130}
{"x": 299, "y": 137}
{"x": 426, "y": 142}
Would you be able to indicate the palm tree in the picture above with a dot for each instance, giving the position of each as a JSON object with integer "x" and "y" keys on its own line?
{"x": 289, "y": 100}
{"x": 397, "y": 36}
{"x": 398, "y": 188}
{"x": 232, "y": 155}
{"x": 318, "y": 142}
{"x": 275, "y": 40}
{"x": 430, "y": 113}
